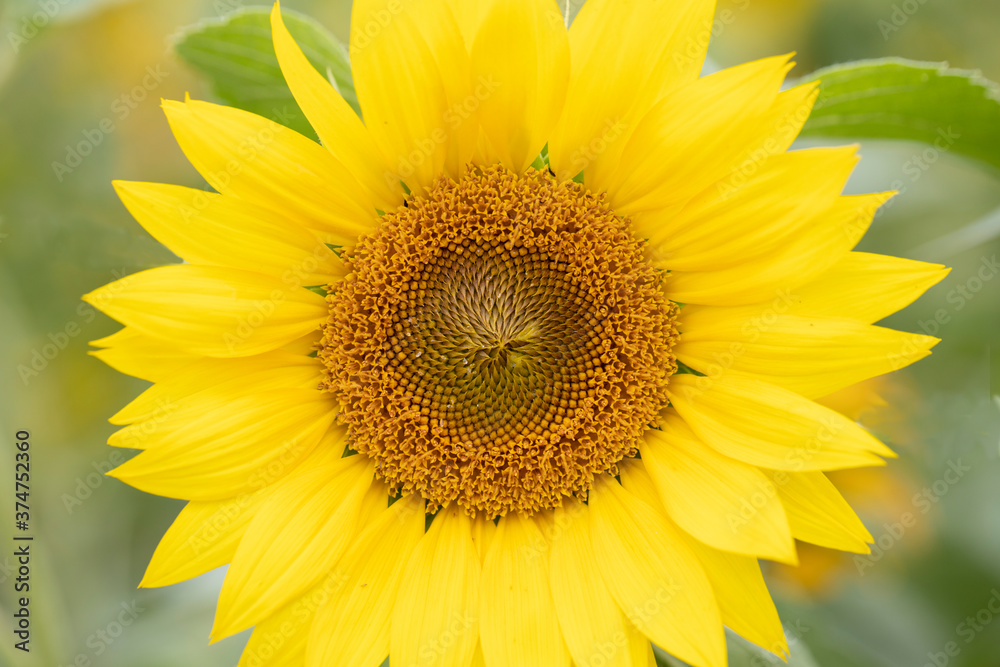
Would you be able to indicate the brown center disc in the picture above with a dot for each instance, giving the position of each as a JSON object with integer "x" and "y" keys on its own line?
{"x": 498, "y": 342}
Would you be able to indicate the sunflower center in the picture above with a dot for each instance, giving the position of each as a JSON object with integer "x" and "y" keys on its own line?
{"x": 499, "y": 341}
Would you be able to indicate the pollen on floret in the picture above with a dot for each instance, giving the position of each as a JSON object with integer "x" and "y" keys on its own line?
{"x": 499, "y": 341}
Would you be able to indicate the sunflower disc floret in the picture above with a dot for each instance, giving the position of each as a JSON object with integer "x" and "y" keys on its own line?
{"x": 500, "y": 341}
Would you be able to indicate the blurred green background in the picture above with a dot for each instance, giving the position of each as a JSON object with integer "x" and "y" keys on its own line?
{"x": 96, "y": 64}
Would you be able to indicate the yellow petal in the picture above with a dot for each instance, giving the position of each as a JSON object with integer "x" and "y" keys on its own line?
{"x": 654, "y": 576}
{"x": 338, "y": 127}
{"x": 765, "y": 425}
{"x": 253, "y": 158}
{"x": 435, "y": 621}
{"x": 518, "y": 622}
{"x": 723, "y": 502}
{"x": 845, "y": 290}
{"x": 469, "y": 14}
{"x": 214, "y": 382}
{"x": 812, "y": 356}
{"x": 694, "y": 137}
{"x": 483, "y": 532}
{"x": 818, "y": 513}
{"x": 779, "y": 128}
{"x": 216, "y": 455}
{"x": 305, "y": 345}
{"x": 820, "y": 245}
{"x": 130, "y": 352}
{"x": 211, "y": 311}
{"x": 207, "y": 228}
{"x": 352, "y": 626}
{"x": 411, "y": 73}
{"x": 372, "y": 505}
{"x": 523, "y": 51}
{"x": 280, "y": 640}
{"x": 478, "y": 660}
{"x": 857, "y": 401}
{"x": 744, "y": 602}
{"x": 615, "y": 79}
{"x": 593, "y": 627}
{"x": 204, "y": 536}
{"x": 651, "y": 661}
{"x": 774, "y": 133}
{"x": 293, "y": 540}
{"x": 718, "y": 229}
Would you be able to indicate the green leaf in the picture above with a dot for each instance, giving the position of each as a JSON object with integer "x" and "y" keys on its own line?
{"x": 955, "y": 110}
{"x": 664, "y": 659}
{"x": 236, "y": 55}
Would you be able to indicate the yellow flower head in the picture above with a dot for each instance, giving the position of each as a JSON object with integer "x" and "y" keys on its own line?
{"x": 521, "y": 369}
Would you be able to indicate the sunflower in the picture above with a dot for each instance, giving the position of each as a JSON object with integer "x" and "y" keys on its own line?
{"x": 519, "y": 370}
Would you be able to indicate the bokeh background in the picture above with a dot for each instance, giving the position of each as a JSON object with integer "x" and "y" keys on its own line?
{"x": 935, "y": 569}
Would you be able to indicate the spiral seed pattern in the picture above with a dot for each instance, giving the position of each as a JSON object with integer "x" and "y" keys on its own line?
{"x": 499, "y": 341}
